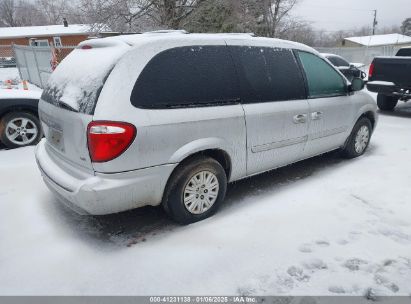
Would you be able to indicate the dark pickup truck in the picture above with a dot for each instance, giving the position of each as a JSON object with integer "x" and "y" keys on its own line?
{"x": 390, "y": 77}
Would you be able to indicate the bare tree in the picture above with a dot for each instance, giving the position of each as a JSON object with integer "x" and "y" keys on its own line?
{"x": 135, "y": 15}
{"x": 172, "y": 13}
{"x": 8, "y": 13}
{"x": 273, "y": 15}
{"x": 28, "y": 14}
{"x": 299, "y": 31}
{"x": 406, "y": 27}
{"x": 119, "y": 15}
{"x": 54, "y": 10}
{"x": 22, "y": 13}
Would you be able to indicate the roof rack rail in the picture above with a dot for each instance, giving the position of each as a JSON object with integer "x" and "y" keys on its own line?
{"x": 241, "y": 34}
{"x": 167, "y": 32}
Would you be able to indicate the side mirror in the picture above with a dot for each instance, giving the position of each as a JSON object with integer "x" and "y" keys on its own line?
{"x": 357, "y": 84}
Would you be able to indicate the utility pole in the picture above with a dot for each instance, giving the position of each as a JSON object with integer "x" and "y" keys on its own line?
{"x": 374, "y": 24}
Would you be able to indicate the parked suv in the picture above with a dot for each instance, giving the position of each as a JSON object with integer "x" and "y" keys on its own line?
{"x": 172, "y": 118}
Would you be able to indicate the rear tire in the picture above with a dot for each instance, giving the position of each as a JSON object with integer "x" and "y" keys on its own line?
{"x": 359, "y": 139}
{"x": 196, "y": 190}
{"x": 20, "y": 129}
{"x": 386, "y": 103}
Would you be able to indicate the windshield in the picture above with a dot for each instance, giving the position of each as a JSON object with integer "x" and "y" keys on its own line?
{"x": 338, "y": 62}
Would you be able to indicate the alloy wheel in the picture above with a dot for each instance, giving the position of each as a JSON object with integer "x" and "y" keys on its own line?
{"x": 21, "y": 131}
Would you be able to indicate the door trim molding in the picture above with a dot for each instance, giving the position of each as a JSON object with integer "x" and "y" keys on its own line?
{"x": 327, "y": 133}
{"x": 279, "y": 144}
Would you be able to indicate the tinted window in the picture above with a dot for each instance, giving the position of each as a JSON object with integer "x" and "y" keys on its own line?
{"x": 187, "y": 76}
{"x": 268, "y": 74}
{"x": 404, "y": 52}
{"x": 338, "y": 62}
{"x": 322, "y": 79}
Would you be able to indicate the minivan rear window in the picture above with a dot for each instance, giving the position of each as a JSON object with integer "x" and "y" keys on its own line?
{"x": 76, "y": 83}
{"x": 187, "y": 76}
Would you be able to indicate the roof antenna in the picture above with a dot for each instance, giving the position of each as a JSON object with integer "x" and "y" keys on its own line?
{"x": 65, "y": 22}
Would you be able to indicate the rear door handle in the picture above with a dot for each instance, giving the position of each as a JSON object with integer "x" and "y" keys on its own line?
{"x": 300, "y": 118}
{"x": 316, "y": 115}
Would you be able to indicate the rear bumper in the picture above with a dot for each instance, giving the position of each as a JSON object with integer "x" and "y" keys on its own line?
{"x": 98, "y": 194}
{"x": 377, "y": 87}
{"x": 388, "y": 89}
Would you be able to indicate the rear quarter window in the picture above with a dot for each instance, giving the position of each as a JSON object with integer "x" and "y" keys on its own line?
{"x": 404, "y": 52}
{"x": 187, "y": 76}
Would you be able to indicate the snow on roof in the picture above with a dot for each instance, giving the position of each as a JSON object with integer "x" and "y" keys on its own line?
{"x": 178, "y": 36}
{"x": 377, "y": 40}
{"x": 47, "y": 30}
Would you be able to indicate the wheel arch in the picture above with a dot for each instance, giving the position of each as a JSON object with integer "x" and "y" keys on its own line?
{"x": 371, "y": 116}
{"x": 19, "y": 108}
{"x": 213, "y": 147}
{"x": 218, "y": 154}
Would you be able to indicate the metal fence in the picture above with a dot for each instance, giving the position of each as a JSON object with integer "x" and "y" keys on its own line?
{"x": 360, "y": 54}
{"x": 35, "y": 63}
{"x": 7, "y": 56}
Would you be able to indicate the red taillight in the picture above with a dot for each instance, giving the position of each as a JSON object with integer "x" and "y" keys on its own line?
{"x": 108, "y": 140}
{"x": 371, "y": 70}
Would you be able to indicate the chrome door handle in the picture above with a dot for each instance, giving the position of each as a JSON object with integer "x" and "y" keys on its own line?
{"x": 316, "y": 115}
{"x": 300, "y": 118}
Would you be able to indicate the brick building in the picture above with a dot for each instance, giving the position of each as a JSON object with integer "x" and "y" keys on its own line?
{"x": 57, "y": 35}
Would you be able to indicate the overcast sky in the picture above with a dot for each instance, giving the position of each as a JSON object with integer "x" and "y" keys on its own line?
{"x": 334, "y": 15}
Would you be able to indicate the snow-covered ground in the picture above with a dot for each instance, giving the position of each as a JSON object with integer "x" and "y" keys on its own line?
{"x": 325, "y": 226}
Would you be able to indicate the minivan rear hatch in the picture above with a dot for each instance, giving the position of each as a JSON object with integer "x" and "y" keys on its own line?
{"x": 68, "y": 102}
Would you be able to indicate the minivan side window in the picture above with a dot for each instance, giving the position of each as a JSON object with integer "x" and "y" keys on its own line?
{"x": 268, "y": 74}
{"x": 322, "y": 79}
{"x": 187, "y": 76}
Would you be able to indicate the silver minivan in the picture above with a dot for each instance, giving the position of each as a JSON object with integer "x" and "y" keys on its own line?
{"x": 170, "y": 119}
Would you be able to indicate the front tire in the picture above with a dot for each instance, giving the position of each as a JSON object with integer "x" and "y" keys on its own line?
{"x": 386, "y": 103}
{"x": 359, "y": 139}
{"x": 196, "y": 190}
{"x": 20, "y": 129}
